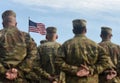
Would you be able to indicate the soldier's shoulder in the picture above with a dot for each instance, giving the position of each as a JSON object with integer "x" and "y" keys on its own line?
{"x": 89, "y": 41}
{"x": 57, "y": 43}
{"x": 49, "y": 44}
{"x": 68, "y": 41}
{"x": 1, "y": 32}
{"x": 25, "y": 33}
{"x": 28, "y": 37}
{"x": 43, "y": 45}
{"x": 115, "y": 45}
{"x": 110, "y": 44}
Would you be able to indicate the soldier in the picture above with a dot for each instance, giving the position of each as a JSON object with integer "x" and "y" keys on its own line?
{"x": 17, "y": 51}
{"x": 47, "y": 53}
{"x": 81, "y": 58}
{"x": 113, "y": 50}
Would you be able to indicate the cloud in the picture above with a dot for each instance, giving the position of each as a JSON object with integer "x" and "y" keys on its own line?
{"x": 74, "y": 5}
{"x": 105, "y": 10}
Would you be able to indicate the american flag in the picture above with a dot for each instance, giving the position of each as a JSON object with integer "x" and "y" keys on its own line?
{"x": 37, "y": 27}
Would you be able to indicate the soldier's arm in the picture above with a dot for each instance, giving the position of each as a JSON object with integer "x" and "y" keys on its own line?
{"x": 39, "y": 71}
{"x": 2, "y": 69}
{"x": 27, "y": 63}
{"x": 62, "y": 65}
{"x": 118, "y": 66}
{"x": 37, "y": 66}
{"x": 118, "y": 62}
{"x": 102, "y": 63}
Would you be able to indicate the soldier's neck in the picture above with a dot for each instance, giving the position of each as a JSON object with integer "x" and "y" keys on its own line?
{"x": 51, "y": 40}
{"x": 107, "y": 39}
{"x": 7, "y": 25}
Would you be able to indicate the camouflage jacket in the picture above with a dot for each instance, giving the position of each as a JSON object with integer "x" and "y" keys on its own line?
{"x": 81, "y": 50}
{"x": 48, "y": 53}
{"x": 17, "y": 50}
{"x": 113, "y": 50}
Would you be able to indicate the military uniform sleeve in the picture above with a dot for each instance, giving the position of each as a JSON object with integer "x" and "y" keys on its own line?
{"x": 39, "y": 53}
{"x": 2, "y": 69}
{"x": 27, "y": 63}
{"x": 60, "y": 62}
{"x": 102, "y": 63}
{"x": 118, "y": 63}
{"x": 118, "y": 66}
{"x": 40, "y": 72}
{"x": 38, "y": 68}
{"x": 37, "y": 71}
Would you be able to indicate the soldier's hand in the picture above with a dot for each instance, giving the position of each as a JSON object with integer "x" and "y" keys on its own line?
{"x": 54, "y": 82}
{"x": 14, "y": 70}
{"x": 111, "y": 74}
{"x": 11, "y": 74}
{"x": 84, "y": 71}
{"x": 51, "y": 78}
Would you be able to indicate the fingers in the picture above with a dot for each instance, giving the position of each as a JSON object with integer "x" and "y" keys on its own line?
{"x": 14, "y": 70}
{"x": 54, "y": 82}
{"x": 111, "y": 76}
{"x": 11, "y": 74}
{"x": 84, "y": 66}
{"x": 82, "y": 73}
{"x": 51, "y": 78}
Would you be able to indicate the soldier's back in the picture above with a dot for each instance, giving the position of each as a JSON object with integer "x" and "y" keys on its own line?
{"x": 48, "y": 53}
{"x": 113, "y": 50}
{"x": 81, "y": 50}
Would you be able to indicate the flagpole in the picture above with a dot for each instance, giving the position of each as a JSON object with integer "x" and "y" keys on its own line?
{"x": 28, "y": 24}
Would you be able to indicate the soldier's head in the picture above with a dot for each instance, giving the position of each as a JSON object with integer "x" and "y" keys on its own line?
{"x": 43, "y": 41}
{"x": 9, "y": 18}
{"x": 79, "y": 26}
{"x": 51, "y": 33}
{"x": 106, "y": 33}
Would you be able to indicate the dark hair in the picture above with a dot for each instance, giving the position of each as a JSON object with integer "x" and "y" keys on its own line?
{"x": 104, "y": 33}
{"x": 78, "y": 29}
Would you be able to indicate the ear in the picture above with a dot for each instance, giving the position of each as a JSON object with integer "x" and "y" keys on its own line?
{"x": 56, "y": 36}
{"x": 3, "y": 24}
{"x": 101, "y": 35}
{"x": 16, "y": 24}
{"x": 111, "y": 35}
{"x": 46, "y": 37}
{"x": 73, "y": 31}
{"x": 85, "y": 30}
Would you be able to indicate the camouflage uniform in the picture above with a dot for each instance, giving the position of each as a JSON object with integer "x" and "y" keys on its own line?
{"x": 81, "y": 50}
{"x": 43, "y": 41}
{"x": 48, "y": 52}
{"x": 113, "y": 50}
{"x": 17, "y": 50}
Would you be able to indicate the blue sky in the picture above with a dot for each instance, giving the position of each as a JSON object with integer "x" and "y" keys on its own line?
{"x": 60, "y": 13}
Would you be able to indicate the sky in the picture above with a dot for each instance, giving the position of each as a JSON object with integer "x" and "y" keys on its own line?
{"x": 60, "y": 13}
